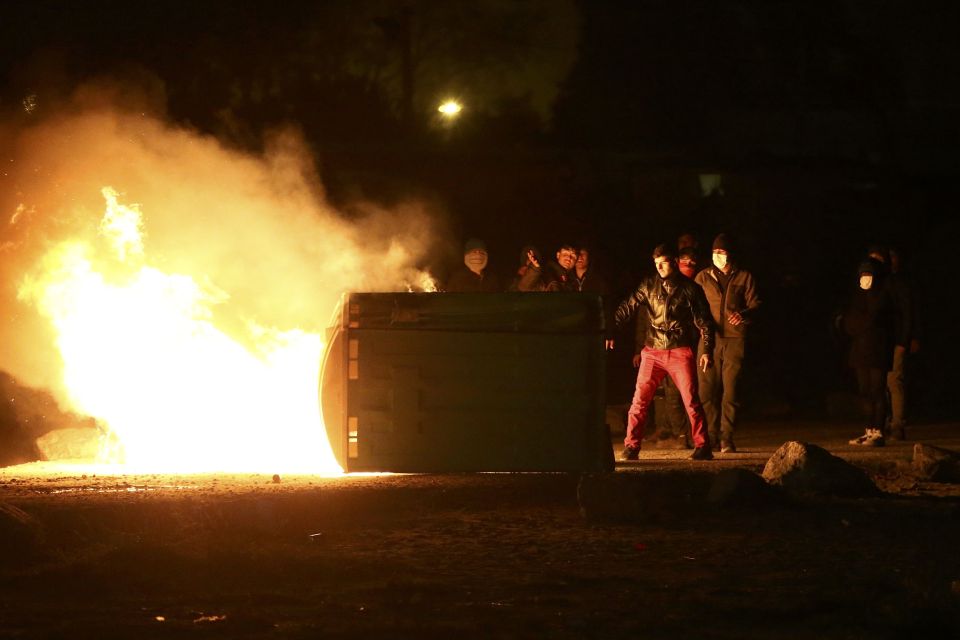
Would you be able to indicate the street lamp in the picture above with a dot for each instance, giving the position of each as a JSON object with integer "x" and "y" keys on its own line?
{"x": 450, "y": 109}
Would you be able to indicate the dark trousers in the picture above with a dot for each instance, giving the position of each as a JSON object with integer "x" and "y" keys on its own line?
{"x": 871, "y": 384}
{"x": 718, "y": 388}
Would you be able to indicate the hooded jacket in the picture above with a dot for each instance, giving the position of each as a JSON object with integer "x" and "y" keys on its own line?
{"x": 677, "y": 314}
{"x": 869, "y": 320}
{"x": 740, "y": 296}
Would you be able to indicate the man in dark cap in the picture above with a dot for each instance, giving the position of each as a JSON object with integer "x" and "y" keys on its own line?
{"x": 677, "y": 320}
{"x": 472, "y": 276}
{"x": 732, "y": 296}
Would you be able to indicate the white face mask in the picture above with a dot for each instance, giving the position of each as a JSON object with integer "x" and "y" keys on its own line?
{"x": 476, "y": 261}
{"x": 720, "y": 260}
{"x": 866, "y": 281}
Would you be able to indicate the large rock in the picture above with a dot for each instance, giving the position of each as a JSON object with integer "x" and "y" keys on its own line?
{"x": 742, "y": 489}
{"x": 936, "y": 464}
{"x": 806, "y": 469}
{"x": 70, "y": 444}
{"x": 26, "y": 414}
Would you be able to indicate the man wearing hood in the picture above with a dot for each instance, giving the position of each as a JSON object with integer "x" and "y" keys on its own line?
{"x": 677, "y": 319}
{"x": 870, "y": 320}
{"x": 472, "y": 276}
{"x": 732, "y": 296}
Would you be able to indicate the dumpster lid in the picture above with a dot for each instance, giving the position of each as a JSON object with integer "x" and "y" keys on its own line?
{"x": 497, "y": 312}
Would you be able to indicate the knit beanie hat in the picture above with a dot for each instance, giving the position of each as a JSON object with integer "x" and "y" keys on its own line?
{"x": 723, "y": 242}
{"x": 474, "y": 244}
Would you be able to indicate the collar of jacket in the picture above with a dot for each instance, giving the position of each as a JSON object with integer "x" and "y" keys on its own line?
{"x": 714, "y": 271}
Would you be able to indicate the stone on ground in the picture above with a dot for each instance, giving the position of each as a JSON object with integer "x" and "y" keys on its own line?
{"x": 936, "y": 464}
{"x": 806, "y": 469}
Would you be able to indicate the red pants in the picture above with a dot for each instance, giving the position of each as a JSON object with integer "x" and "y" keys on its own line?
{"x": 680, "y": 364}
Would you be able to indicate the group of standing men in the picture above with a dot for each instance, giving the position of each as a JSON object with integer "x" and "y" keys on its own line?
{"x": 692, "y": 327}
{"x": 695, "y": 330}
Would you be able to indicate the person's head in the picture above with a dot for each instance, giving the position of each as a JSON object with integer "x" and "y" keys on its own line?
{"x": 475, "y": 255}
{"x": 664, "y": 260}
{"x": 583, "y": 259}
{"x": 567, "y": 256}
{"x": 687, "y": 261}
{"x": 722, "y": 252}
{"x": 686, "y": 240}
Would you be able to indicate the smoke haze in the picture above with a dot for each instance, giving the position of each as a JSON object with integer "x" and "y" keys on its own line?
{"x": 255, "y": 230}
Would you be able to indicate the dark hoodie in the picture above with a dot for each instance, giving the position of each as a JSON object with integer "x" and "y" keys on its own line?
{"x": 869, "y": 321}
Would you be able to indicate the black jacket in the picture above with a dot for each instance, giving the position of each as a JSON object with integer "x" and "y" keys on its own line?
{"x": 869, "y": 320}
{"x": 552, "y": 277}
{"x": 740, "y": 296}
{"x": 677, "y": 313}
{"x": 465, "y": 280}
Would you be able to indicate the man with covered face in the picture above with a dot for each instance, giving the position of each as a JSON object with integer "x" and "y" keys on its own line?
{"x": 732, "y": 296}
{"x": 677, "y": 320}
{"x": 472, "y": 276}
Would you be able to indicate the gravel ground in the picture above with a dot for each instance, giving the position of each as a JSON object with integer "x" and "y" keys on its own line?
{"x": 478, "y": 555}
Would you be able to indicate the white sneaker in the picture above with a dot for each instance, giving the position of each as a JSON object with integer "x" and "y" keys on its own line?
{"x": 870, "y": 438}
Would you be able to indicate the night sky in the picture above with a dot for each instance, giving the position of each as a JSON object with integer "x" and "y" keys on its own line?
{"x": 833, "y": 125}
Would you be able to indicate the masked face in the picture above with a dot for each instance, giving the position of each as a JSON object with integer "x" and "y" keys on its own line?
{"x": 475, "y": 260}
{"x": 866, "y": 281}
{"x": 688, "y": 267}
{"x": 720, "y": 259}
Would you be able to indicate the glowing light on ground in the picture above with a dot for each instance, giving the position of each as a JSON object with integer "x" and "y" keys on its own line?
{"x": 174, "y": 391}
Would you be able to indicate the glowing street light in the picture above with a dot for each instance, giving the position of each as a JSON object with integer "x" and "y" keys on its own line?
{"x": 450, "y": 109}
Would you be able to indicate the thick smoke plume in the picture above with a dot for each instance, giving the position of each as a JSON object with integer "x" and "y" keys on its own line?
{"x": 255, "y": 229}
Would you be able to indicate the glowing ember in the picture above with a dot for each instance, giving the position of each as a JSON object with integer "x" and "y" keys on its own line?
{"x": 143, "y": 354}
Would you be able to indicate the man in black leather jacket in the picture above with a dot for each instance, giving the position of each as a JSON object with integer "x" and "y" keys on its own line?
{"x": 677, "y": 320}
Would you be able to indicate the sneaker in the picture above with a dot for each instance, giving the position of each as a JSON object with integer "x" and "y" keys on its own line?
{"x": 630, "y": 453}
{"x": 702, "y": 453}
{"x": 727, "y": 446}
{"x": 870, "y": 438}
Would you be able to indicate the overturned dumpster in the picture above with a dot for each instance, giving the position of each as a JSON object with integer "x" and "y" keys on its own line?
{"x": 426, "y": 382}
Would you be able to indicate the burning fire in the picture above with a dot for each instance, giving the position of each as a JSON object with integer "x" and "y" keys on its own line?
{"x": 143, "y": 354}
{"x": 188, "y": 326}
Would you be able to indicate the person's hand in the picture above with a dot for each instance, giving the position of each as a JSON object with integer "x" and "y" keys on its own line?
{"x": 735, "y": 318}
{"x": 532, "y": 259}
{"x": 705, "y": 362}
{"x": 608, "y": 344}
{"x": 636, "y": 360}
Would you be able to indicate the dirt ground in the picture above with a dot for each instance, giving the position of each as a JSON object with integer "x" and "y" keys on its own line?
{"x": 478, "y": 555}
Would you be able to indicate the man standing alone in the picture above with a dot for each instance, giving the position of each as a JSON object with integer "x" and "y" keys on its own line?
{"x": 677, "y": 319}
{"x": 732, "y": 296}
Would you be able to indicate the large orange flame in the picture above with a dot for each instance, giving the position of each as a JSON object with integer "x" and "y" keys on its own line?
{"x": 143, "y": 354}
